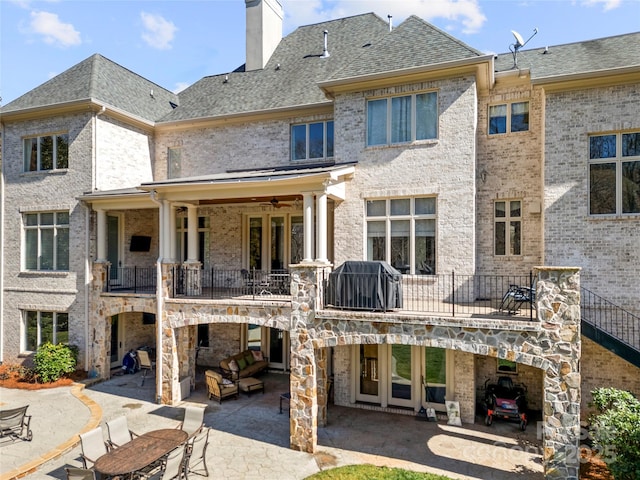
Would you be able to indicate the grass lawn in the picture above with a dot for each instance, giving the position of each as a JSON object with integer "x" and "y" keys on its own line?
{"x": 371, "y": 472}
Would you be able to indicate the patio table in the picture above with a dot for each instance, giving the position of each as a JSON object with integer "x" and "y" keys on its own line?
{"x": 140, "y": 452}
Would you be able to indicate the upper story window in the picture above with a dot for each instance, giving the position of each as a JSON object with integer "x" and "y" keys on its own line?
{"x": 402, "y": 119}
{"x": 312, "y": 141}
{"x": 43, "y": 327}
{"x": 508, "y": 227}
{"x": 614, "y": 173}
{"x": 182, "y": 239}
{"x": 174, "y": 162}
{"x": 402, "y": 232}
{"x": 509, "y": 117}
{"x": 47, "y": 152}
{"x": 46, "y": 241}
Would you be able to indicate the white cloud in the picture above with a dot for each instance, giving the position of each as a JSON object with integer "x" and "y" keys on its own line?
{"x": 180, "y": 86}
{"x": 159, "y": 32}
{"x": 607, "y": 4}
{"x": 53, "y": 30}
{"x": 464, "y": 15}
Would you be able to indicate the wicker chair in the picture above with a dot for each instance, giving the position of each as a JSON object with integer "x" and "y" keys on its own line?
{"x": 218, "y": 388}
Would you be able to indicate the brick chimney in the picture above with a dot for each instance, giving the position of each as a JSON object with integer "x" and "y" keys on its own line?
{"x": 264, "y": 31}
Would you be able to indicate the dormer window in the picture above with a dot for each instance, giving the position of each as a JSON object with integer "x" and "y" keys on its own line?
{"x": 312, "y": 141}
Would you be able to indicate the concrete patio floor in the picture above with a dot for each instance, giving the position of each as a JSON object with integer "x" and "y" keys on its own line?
{"x": 249, "y": 438}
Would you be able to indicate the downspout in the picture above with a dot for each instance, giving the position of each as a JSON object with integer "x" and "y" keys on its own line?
{"x": 88, "y": 343}
{"x": 159, "y": 297}
{"x": 2, "y": 247}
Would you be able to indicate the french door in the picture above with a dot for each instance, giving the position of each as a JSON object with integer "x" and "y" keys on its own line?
{"x": 117, "y": 341}
{"x": 115, "y": 242}
{"x": 402, "y": 375}
{"x": 274, "y": 241}
{"x": 274, "y": 342}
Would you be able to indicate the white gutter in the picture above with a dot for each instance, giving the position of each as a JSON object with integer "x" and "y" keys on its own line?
{"x": 159, "y": 298}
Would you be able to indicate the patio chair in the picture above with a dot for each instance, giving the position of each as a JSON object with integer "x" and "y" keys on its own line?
{"x": 516, "y": 296}
{"x": 145, "y": 364}
{"x": 193, "y": 420}
{"x": 219, "y": 387}
{"x": 173, "y": 465}
{"x": 197, "y": 451}
{"x": 75, "y": 473}
{"x": 14, "y": 422}
{"x": 118, "y": 432}
{"x": 93, "y": 446}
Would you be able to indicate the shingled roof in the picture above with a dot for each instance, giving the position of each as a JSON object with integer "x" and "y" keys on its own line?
{"x": 290, "y": 77}
{"x": 413, "y": 43}
{"x": 101, "y": 80}
{"x": 590, "y": 56}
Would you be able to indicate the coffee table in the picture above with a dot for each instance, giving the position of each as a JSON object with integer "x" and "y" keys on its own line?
{"x": 250, "y": 384}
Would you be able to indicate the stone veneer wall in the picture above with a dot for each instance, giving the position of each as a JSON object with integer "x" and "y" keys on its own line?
{"x": 552, "y": 345}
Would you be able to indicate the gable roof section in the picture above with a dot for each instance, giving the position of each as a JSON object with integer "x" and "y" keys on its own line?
{"x": 413, "y": 43}
{"x": 98, "y": 79}
{"x": 294, "y": 83}
{"x": 592, "y": 57}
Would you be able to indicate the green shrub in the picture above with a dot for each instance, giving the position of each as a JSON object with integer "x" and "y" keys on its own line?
{"x": 616, "y": 431}
{"x": 53, "y": 361}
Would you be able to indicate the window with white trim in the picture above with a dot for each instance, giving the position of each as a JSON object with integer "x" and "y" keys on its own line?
{"x": 43, "y": 327}
{"x": 508, "y": 227}
{"x": 509, "y": 117}
{"x": 46, "y": 241}
{"x": 312, "y": 141}
{"x": 46, "y": 152}
{"x": 402, "y": 232}
{"x": 402, "y": 119}
{"x": 614, "y": 174}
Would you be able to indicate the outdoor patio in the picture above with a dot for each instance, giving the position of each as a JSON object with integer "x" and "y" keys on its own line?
{"x": 355, "y": 435}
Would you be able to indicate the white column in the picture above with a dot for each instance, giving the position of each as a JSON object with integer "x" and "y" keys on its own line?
{"x": 101, "y": 235}
{"x": 307, "y": 206}
{"x": 321, "y": 217}
{"x": 171, "y": 254}
{"x": 165, "y": 212}
{"x": 192, "y": 234}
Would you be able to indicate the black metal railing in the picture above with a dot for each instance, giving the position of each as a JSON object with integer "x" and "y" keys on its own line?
{"x": 218, "y": 284}
{"x": 447, "y": 294}
{"x": 131, "y": 279}
{"x": 611, "y": 326}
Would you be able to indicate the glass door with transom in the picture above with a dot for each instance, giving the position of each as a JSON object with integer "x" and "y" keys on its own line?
{"x": 275, "y": 241}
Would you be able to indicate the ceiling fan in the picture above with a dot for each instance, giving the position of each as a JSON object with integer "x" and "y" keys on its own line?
{"x": 275, "y": 203}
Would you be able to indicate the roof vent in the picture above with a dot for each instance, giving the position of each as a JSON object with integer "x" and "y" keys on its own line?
{"x": 325, "y": 51}
{"x": 151, "y": 93}
{"x": 390, "y": 22}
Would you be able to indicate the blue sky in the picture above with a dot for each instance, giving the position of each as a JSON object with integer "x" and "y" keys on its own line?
{"x": 176, "y": 42}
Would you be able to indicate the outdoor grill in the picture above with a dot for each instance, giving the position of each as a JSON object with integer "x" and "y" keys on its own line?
{"x": 365, "y": 285}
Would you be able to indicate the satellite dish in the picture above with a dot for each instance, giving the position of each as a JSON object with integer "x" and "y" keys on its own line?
{"x": 518, "y": 45}
{"x": 519, "y": 39}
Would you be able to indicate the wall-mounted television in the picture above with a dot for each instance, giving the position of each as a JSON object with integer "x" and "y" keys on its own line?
{"x": 140, "y": 243}
{"x": 148, "y": 318}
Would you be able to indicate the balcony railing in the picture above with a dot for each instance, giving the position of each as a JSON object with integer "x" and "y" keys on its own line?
{"x": 447, "y": 294}
{"x": 219, "y": 284}
{"x": 131, "y": 279}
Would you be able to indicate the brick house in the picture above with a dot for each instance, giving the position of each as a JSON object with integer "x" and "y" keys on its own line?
{"x": 207, "y": 222}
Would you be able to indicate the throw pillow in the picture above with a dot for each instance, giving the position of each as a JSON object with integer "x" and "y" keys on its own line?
{"x": 257, "y": 355}
{"x": 233, "y": 366}
{"x": 226, "y": 382}
{"x": 242, "y": 363}
{"x": 249, "y": 358}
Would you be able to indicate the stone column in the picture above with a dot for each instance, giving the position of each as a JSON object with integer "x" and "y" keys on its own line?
{"x": 322, "y": 386}
{"x": 558, "y": 301}
{"x": 304, "y": 372}
{"x": 99, "y": 340}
